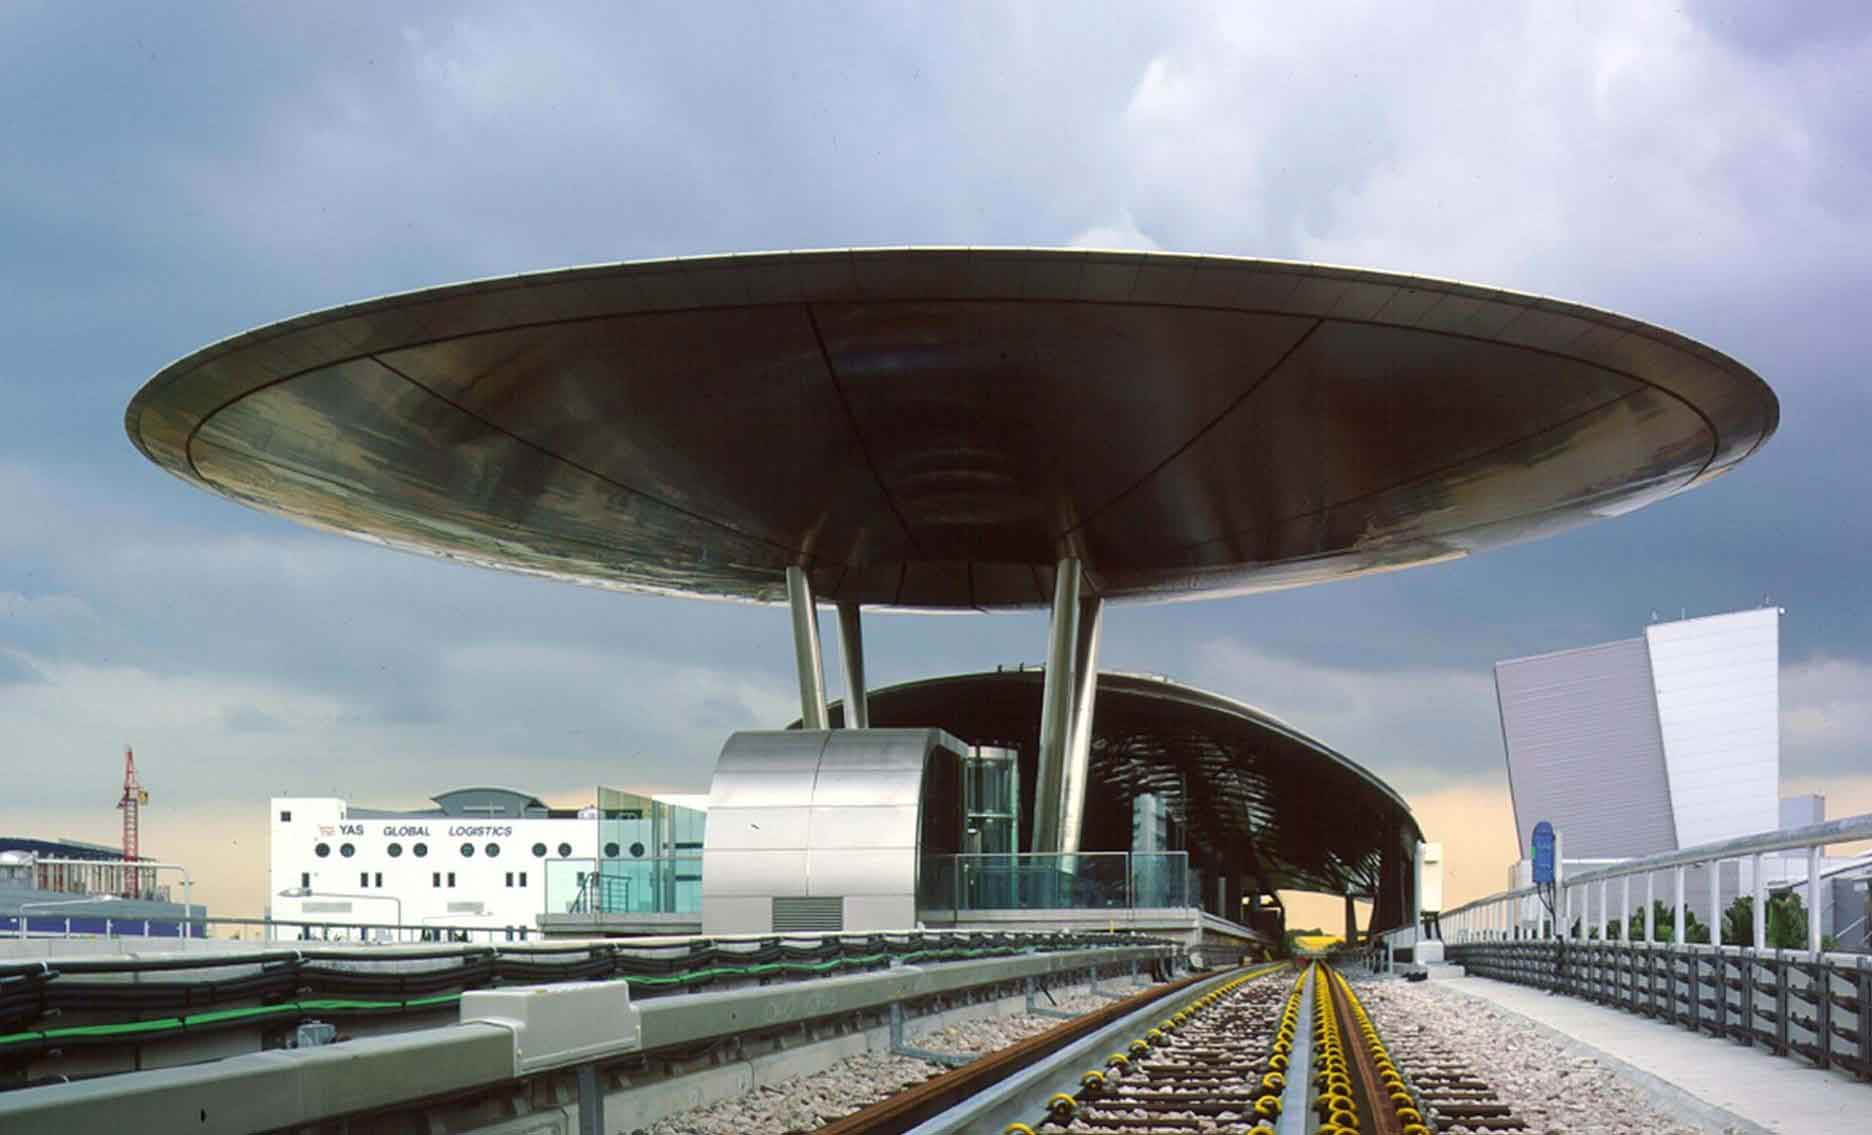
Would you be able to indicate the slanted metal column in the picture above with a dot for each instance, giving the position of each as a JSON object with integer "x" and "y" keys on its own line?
{"x": 806, "y": 649}
{"x": 1056, "y": 712}
{"x": 1079, "y": 740}
{"x": 851, "y": 652}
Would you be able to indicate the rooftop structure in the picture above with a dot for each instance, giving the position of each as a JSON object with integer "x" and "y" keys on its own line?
{"x": 1259, "y": 805}
{"x": 938, "y": 428}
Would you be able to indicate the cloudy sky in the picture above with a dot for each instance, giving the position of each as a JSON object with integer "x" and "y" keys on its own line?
{"x": 172, "y": 177}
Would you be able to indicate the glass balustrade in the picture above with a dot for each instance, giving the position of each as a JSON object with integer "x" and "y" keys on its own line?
{"x": 670, "y": 885}
{"x": 1087, "y": 880}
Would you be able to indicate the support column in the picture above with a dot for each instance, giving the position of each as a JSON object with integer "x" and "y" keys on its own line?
{"x": 1650, "y": 908}
{"x": 1056, "y": 706}
{"x": 1417, "y": 891}
{"x": 851, "y": 652}
{"x": 1813, "y": 902}
{"x": 1760, "y": 920}
{"x": 1079, "y": 739}
{"x": 806, "y": 656}
{"x": 1351, "y": 921}
{"x": 1682, "y": 933}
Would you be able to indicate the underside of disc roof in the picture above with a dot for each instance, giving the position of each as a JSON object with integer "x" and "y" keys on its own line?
{"x": 937, "y": 429}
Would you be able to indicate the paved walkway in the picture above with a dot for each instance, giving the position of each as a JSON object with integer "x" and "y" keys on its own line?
{"x": 1686, "y": 1073}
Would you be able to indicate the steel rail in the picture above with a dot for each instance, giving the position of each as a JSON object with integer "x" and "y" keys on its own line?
{"x": 1369, "y": 1093}
{"x": 910, "y": 1109}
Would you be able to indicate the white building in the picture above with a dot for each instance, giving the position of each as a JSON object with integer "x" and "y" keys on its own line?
{"x": 1648, "y": 744}
{"x": 482, "y": 858}
{"x": 1653, "y": 744}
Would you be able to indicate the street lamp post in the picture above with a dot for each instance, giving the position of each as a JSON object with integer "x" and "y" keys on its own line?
{"x": 309, "y": 893}
{"x": 47, "y": 904}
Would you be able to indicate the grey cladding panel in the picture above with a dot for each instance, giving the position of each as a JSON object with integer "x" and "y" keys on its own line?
{"x": 1585, "y": 751}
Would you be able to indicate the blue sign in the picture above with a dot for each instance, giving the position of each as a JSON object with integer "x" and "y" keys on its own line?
{"x": 1542, "y": 853}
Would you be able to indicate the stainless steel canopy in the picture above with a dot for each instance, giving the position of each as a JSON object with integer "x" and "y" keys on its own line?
{"x": 1254, "y": 795}
{"x": 938, "y": 428}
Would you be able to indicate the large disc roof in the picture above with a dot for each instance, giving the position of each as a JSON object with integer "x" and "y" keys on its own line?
{"x": 935, "y": 428}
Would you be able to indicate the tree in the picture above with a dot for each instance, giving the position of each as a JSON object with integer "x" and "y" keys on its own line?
{"x": 1665, "y": 919}
{"x": 1786, "y": 922}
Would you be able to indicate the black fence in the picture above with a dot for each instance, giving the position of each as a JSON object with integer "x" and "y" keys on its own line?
{"x": 1810, "y": 1007}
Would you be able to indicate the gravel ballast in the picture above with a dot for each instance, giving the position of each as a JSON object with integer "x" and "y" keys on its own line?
{"x": 856, "y": 1082}
{"x": 1553, "y": 1087}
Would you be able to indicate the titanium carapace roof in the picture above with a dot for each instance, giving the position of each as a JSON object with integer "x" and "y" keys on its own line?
{"x": 935, "y": 428}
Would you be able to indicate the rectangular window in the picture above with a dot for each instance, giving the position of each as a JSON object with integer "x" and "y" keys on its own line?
{"x": 523, "y": 878}
{"x": 377, "y": 881}
{"x": 285, "y": 816}
{"x": 363, "y": 878}
{"x": 510, "y": 878}
{"x": 451, "y": 878}
{"x": 435, "y": 880}
{"x": 305, "y": 880}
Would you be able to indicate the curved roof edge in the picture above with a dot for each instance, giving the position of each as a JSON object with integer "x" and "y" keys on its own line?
{"x": 1154, "y": 685}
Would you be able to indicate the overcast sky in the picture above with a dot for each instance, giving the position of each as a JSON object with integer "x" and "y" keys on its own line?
{"x": 172, "y": 177}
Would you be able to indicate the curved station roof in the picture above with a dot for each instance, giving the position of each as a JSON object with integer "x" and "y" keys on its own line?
{"x": 1245, "y": 786}
{"x": 936, "y": 428}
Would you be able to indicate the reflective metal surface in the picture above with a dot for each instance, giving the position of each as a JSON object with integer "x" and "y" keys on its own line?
{"x": 818, "y": 814}
{"x": 807, "y": 658}
{"x": 937, "y": 428}
{"x": 1052, "y": 774}
{"x": 1255, "y": 797}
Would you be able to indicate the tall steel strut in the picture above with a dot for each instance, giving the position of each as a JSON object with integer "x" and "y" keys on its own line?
{"x": 1066, "y": 738}
{"x": 806, "y": 657}
{"x": 851, "y": 652}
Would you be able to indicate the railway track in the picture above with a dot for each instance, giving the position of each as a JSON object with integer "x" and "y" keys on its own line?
{"x": 1270, "y": 1051}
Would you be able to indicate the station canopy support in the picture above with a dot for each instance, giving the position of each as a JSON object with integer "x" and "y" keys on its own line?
{"x": 806, "y": 654}
{"x": 1066, "y": 712}
{"x": 851, "y": 652}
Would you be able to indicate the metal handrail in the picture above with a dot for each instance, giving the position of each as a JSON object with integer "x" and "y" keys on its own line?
{"x": 1810, "y": 838}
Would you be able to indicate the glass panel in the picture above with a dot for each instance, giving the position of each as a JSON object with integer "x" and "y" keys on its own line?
{"x": 666, "y": 885}
{"x": 1160, "y": 879}
{"x": 1095, "y": 880}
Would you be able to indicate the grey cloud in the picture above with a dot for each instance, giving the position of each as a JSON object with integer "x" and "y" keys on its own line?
{"x": 223, "y": 169}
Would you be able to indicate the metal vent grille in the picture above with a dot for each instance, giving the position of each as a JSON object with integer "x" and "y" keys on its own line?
{"x": 465, "y": 908}
{"x": 800, "y": 913}
{"x": 326, "y": 907}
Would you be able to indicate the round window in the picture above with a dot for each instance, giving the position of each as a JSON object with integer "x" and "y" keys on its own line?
{"x": 420, "y": 849}
{"x": 467, "y": 851}
{"x": 493, "y": 850}
{"x": 637, "y": 850}
{"x": 565, "y": 851}
{"x": 346, "y": 850}
{"x": 395, "y": 850}
{"x": 539, "y": 849}
{"x": 611, "y": 851}
{"x": 322, "y": 850}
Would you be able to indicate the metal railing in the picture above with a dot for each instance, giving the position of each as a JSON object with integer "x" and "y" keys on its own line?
{"x": 1087, "y": 880}
{"x": 653, "y": 885}
{"x": 1805, "y": 1002}
{"x": 1511, "y": 915}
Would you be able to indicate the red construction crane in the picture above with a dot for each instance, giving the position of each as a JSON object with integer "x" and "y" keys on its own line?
{"x": 134, "y": 797}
